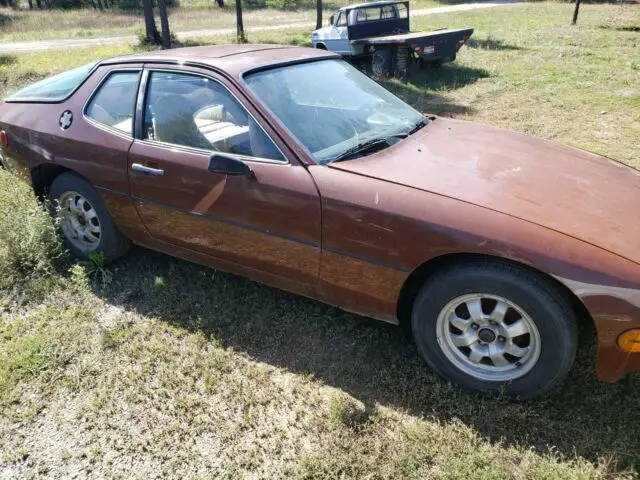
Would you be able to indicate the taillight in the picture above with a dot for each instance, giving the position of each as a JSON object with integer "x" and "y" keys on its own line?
{"x": 4, "y": 140}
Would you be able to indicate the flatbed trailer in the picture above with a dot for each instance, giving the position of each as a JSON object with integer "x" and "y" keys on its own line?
{"x": 380, "y": 32}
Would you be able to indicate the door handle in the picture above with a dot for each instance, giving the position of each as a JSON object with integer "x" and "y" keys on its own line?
{"x": 156, "y": 172}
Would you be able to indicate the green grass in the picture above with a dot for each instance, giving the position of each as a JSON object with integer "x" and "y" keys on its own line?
{"x": 157, "y": 367}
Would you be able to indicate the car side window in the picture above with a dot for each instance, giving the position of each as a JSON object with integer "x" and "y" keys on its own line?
{"x": 194, "y": 111}
{"x": 113, "y": 104}
{"x": 342, "y": 20}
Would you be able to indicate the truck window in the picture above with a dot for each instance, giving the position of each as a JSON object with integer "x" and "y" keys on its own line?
{"x": 389, "y": 12}
{"x": 342, "y": 20}
{"x": 368, "y": 14}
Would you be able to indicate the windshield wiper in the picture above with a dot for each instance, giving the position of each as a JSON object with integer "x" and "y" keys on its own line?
{"x": 365, "y": 147}
{"x": 375, "y": 143}
{"x": 423, "y": 122}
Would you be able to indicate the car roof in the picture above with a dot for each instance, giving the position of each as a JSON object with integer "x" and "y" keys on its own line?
{"x": 234, "y": 59}
{"x": 369, "y": 4}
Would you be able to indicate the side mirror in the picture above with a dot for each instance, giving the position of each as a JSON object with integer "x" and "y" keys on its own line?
{"x": 225, "y": 165}
{"x": 331, "y": 18}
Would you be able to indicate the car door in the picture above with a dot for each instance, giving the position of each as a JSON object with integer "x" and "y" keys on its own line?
{"x": 267, "y": 221}
{"x": 338, "y": 40}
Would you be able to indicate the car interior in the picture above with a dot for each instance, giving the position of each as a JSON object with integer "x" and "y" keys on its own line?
{"x": 183, "y": 110}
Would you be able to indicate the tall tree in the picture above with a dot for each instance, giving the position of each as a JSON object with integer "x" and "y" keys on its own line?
{"x": 318, "y": 14}
{"x": 39, "y": 3}
{"x": 100, "y": 5}
{"x": 239, "y": 26}
{"x": 151, "y": 31}
{"x": 164, "y": 24}
{"x": 575, "y": 13}
{"x": 30, "y": 5}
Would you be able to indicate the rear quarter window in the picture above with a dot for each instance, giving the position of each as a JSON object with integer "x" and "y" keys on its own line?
{"x": 53, "y": 89}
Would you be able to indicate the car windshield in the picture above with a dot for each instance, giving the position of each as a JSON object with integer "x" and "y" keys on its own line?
{"x": 331, "y": 107}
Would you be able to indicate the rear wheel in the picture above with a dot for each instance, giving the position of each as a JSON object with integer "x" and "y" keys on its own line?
{"x": 84, "y": 220}
{"x": 381, "y": 61}
{"x": 495, "y": 327}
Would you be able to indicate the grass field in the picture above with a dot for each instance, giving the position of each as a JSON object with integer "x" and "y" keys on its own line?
{"x": 156, "y": 367}
{"x": 22, "y": 25}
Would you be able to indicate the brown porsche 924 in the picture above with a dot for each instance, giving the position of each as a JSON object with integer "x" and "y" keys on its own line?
{"x": 289, "y": 166}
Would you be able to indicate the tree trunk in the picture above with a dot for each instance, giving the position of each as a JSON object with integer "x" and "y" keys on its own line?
{"x": 151, "y": 31}
{"x": 220, "y": 3}
{"x": 318, "y": 14}
{"x": 164, "y": 23}
{"x": 39, "y": 3}
{"x": 30, "y": 5}
{"x": 239, "y": 27}
{"x": 575, "y": 13}
{"x": 100, "y": 5}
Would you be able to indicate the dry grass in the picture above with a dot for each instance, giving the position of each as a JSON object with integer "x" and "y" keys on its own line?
{"x": 164, "y": 368}
{"x": 24, "y": 25}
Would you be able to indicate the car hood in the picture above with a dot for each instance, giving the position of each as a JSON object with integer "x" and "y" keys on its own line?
{"x": 577, "y": 193}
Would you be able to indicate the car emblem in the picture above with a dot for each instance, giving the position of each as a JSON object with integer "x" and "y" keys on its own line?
{"x": 66, "y": 119}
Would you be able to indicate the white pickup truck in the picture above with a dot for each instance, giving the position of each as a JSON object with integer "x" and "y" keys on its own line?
{"x": 380, "y": 30}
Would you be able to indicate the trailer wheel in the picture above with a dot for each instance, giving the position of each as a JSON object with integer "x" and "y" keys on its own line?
{"x": 381, "y": 63}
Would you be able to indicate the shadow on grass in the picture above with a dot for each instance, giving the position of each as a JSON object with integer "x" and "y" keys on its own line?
{"x": 621, "y": 28}
{"x": 490, "y": 44}
{"x": 7, "y": 59}
{"x": 375, "y": 362}
{"x": 615, "y": 2}
{"x": 423, "y": 87}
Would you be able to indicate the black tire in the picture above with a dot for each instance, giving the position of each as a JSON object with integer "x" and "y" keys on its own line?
{"x": 381, "y": 63}
{"x": 552, "y": 314}
{"x": 112, "y": 243}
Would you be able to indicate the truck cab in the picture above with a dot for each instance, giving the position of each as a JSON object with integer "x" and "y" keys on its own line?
{"x": 361, "y": 21}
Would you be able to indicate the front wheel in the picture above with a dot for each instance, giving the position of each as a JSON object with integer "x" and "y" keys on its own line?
{"x": 84, "y": 220}
{"x": 495, "y": 328}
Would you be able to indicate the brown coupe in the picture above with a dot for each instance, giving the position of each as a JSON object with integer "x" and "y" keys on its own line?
{"x": 289, "y": 166}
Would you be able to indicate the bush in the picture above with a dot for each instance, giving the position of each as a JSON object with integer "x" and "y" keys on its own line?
{"x": 29, "y": 243}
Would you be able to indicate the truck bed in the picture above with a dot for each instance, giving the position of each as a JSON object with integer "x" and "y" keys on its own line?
{"x": 421, "y": 38}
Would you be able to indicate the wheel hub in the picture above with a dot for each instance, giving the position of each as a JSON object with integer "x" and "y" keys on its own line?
{"x": 79, "y": 221}
{"x": 488, "y": 337}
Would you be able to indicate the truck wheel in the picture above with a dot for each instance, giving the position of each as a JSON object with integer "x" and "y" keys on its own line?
{"x": 495, "y": 328}
{"x": 381, "y": 63}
